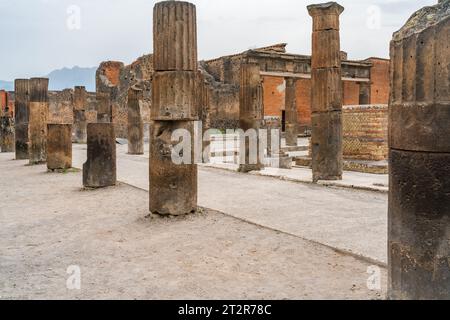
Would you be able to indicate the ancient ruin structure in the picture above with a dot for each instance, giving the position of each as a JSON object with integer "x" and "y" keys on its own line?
{"x": 419, "y": 198}
{"x": 38, "y": 115}
{"x": 59, "y": 146}
{"x": 291, "y": 113}
{"x": 104, "y": 107}
{"x": 21, "y": 115}
{"x": 251, "y": 111}
{"x": 326, "y": 103}
{"x": 99, "y": 171}
{"x": 79, "y": 115}
{"x": 135, "y": 123}
{"x": 6, "y": 131}
{"x": 173, "y": 187}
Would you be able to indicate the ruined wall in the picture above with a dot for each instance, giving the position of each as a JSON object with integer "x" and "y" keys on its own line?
{"x": 351, "y": 93}
{"x": 274, "y": 95}
{"x": 379, "y": 75}
{"x": 365, "y": 132}
{"x": 303, "y": 99}
{"x": 61, "y": 107}
{"x": 116, "y": 78}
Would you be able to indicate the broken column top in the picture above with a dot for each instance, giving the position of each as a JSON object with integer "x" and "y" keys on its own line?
{"x": 325, "y": 9}
{"x": 423, "y": 19}
{"x": 38, "y": 89}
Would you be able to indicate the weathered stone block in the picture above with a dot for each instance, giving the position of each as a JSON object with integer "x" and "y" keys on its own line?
{"x": 37, "y": 132}
{"x": 135, "y": 123}
{"x": 173, "y": 187}
{"x": 104, "y": 107}
{"x": 174, "y": 96}
{"x": 175, "y": 36}
{"x": 79, "y": 134}
{"x": 6, "y": 133}
{"x": 21, "y": 114}
{"x": 326, "y": 45}
{"x": 327, "y": 90}
{"x": 99, "y": 171}
{"x": 59, "y": 146}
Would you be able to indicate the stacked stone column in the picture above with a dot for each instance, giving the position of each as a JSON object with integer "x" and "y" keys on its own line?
{"x": 173, "y": 187}
{"x": 326, "y": 104}
{"x": 419, "y": 198}
{"x": 21, "y": 115}
{"x": 6, "y": 131}
{"x": 79, "y": 115}
{"x": 251, "y": 113}
{"x": 135, "y": 122}
{"x": 59, "y": 146}
{"x": 38, "y": 117}
{"x": 104, "y": 107}
{"x": 291, "y": 113}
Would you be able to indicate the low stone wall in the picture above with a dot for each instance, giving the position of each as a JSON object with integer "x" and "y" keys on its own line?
{"x": 365, "y": 132}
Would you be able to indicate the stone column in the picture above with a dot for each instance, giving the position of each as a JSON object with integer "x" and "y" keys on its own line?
{"x": 135, "y": 123}
{"x": 419, "y": 196}
{"x": 99, "y": 171}
{"x": 104, "y": 107}
{"x": 7, "y": 131}
{"x": 37, "y": 129}
{"x": 21, "y": 115}
{"x": 291, "y": 112}
{"x": 251, "y": 113}
{"x": 364, "y": 93}
{"x": 173, "y": 186}
{"x": 79, "y": 116}
{"x": 326, "y": 104}
{"x": 59, "y": 146}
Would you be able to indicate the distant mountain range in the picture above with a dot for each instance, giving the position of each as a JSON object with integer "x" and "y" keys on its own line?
{"x": 64, "y": 78}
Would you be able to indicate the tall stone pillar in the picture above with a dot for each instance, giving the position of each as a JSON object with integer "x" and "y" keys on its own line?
{"x": 79, "y": 115}
{"x": 291, "y": 112}
{"x": 59, "y": 146}
{"x": 326, "y": 104}
{"x": 251, "y": 114}
{"x": 21, "y": 115}
{"x": 173, "y": 186}
{"x": 6, "y": 131}
{"x": 37, "y": 128}
{"x": 135, "y": 123}
{"x": 419, "y": 196}
{"x": 364, "y": 93}
{"x": 99, "y": 171}
{"x": 104, "y": 107}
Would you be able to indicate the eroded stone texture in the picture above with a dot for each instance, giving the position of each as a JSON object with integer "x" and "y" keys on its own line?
{"x": 59, "y": 146}
{"x": 291, "y": 113}
{"x": 419, "y": 198}
{"x": 251, "y": 111}
{"x": 99, "y": 171}
{"x": 7, "y": 132}
{"x": 104, "y": 108}
{"x": 326, "y": 104}
{"x": 38, "y": 116}
{"x": 79, "y": 115}
{"x": 173, "y": 186}
{"x": 135, "y": 123}
{"x": 21, "y": 115}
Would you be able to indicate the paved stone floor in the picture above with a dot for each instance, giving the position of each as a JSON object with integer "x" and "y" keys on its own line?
{"x": 48, "y": 223}
{"x": 354, "y": 221}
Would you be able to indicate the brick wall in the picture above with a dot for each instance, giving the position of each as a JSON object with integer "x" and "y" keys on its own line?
{"x": 303, "y": 96}
{"x": 274, "y": 95}
{"x": 351, "y": 93}
{"x": 379, "y": 76}
{"x": 365, "y": 132}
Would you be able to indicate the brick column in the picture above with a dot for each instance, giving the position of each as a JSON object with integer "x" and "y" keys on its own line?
{"x": 291, "y": 112}
{"x": 79, "y": 115}
{"x": 59, "y": 146}
{"x": 6, "y": 131}
{"x": 173, "y": 187}
{"x": 251, "y": 112}
{"x": 419, "y": 198}
{"x": 37, "y": 129}
{"x": 135, "y": 123}
{"x": 21, "y": 115}
{"x": 326, "y": 104}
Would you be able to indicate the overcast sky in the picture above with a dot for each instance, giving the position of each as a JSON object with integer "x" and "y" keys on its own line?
{"x": 38, "y": 36}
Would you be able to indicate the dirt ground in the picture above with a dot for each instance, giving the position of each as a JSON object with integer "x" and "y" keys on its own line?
{"x": 48, "y": 223}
